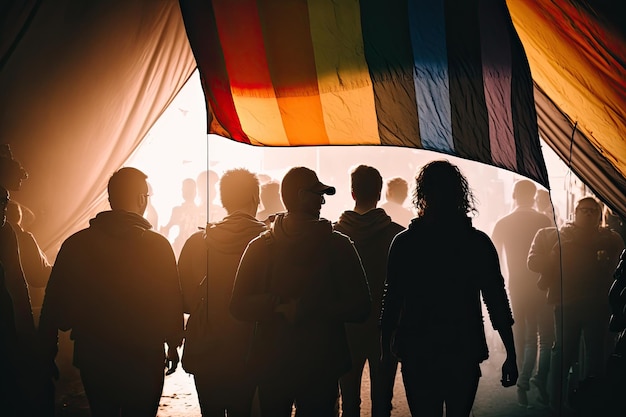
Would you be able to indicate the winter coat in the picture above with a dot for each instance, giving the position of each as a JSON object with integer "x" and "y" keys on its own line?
{"x": 215, "y": 253}
{"x": 115, "y": 285}
{"x": 437, "y": 272}
{"x": 372, "y": 234}
{"x": 304, "y": 260}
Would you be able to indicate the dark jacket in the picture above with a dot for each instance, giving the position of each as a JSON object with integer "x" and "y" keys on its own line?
{"x": 115, "y": 285}
{"x": 437, "y": 272}
{"x": 215, "y": 254}
{"x": 304, "y": 260}
{"x": 372, "y": 234}
{"x": 588, "y": 261}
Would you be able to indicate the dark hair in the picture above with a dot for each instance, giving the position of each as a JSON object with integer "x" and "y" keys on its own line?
{"x": 366, "y": 183}
{"x": 124, "y": 185}
{"x": 238, "y": 187}
{"x": 441, "y": 187}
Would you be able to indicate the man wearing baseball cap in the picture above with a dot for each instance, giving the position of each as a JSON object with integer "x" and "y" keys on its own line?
{"x": 300, "y": 282}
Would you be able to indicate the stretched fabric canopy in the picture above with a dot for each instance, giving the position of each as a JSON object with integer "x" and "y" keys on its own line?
{"x": 448, "y": 76}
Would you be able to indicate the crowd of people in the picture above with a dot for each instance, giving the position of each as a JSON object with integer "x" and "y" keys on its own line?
{"x": 280, "y": 308}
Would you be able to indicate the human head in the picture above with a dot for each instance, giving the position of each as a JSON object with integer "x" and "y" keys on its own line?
{"x": 11, "y": 171}
{"x": 189, "y": 189}
{"x": 206, "y": 183}
{"x": 270, "y": 196}
{"x": 587, "y": 214}
{"x": 440, "y": 187}
{"x": 366, "y": 184}
{"x": 4, "y": 202}
{"x": 239, "y": 190}
{"x": 397, "y": 190}
{"x": 14, "y": 213}
{"x": 301, "y": 190}
{"x": 524, "y": 193}
{"x": 128, "y": 190}
{"x": 542, "y": 200}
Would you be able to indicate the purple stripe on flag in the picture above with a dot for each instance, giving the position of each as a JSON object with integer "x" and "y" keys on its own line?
{"x": 497, "y": 76}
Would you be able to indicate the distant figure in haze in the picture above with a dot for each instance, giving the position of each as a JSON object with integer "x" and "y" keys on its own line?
{"x": 25, "y": 386}
{"x": 543, "y": 204}
{"x": 115, "y": 286}
{"x": 512, "y": 236}
{"x": 437, "y": 271}
{"x": 34, "y": 261}
{"x": 270, "y": 199}
{"x": 207, "y": 190}
{"x": 397, "y": 191}
{"x": 151, "y": 214}
{"x": 207, "y": 267}
{"x": 186, "y": 217}
{"x": 301, "y": 282}
{"x": 576, "y": 267}
{"x": 372, "y": 231}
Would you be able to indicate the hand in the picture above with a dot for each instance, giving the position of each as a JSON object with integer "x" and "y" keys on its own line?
{"x": 509, "y": 372}
{"x": 171, "y": 360}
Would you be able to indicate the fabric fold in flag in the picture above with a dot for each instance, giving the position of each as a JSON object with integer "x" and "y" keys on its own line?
{"x": 449, "y": 76}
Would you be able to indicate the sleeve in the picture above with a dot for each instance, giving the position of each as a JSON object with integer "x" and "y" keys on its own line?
{"x": 353, "y": 302}
{"x": 171, "y": 305}
{"x": 539, "y": 255}
{"x": 193, "y": 252}
{"x": 492, "y": 286}
{"x": 251, "y": 300}
{"x": 58, "y": 309}
{"x": 16, "y": 283}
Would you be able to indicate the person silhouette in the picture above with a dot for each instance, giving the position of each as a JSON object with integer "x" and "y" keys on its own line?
{"x": 438, "y": 269}
{"x": 206, "y": 182}
{"x": 512, "y": 236}
{"x": 207, "y": 267}
{"x": 372, "y": 231}
{"x": 301, "y": 282}
{"x": 270, "y": 199}
{"x": 396, "y": 194}
{"x": 186, "y": 217}
{"x": 26, "y": 388}
{"x": 115, "y": 286}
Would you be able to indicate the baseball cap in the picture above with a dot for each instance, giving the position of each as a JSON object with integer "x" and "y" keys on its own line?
{"x": 302, "y": 178}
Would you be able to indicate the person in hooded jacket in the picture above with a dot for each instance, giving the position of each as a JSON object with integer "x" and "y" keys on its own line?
{"x": 115, "y": 285}
{"x": 207, "y": 267}
{"x": 300, "y": 282}
{"x": 432, "y": 317}
{"x": 372, "y": 232}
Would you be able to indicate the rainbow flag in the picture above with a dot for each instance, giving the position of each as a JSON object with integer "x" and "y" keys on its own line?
{"x": 444, "y": 75}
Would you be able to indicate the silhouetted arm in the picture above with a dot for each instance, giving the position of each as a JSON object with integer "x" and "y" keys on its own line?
{"x": 251, "y": 299}
{"x": 393, "y": 296}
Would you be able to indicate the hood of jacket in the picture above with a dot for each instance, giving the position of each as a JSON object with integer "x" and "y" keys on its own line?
{"x": 233, "y": 234}
{"x": 120, "y": 224}
{"x": 300, "y": 231}
{"x": 361, "y": 227}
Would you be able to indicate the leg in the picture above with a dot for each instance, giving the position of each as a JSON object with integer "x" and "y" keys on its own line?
{"x": 318, "y": 399}
{"x": 382, "y": 379}
{"x": 351, "y": 387}
{"x": 545, "y": 327}
{"x": 461, "y": 391}
{"x": 275, "y": 399}
{"x": 423, "y": 387}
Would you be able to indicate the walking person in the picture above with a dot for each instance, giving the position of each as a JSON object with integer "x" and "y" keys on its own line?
{"x": 512, "y": 236}
{"x": 216, "y": 344}
{"x": 115, "y": 286}
{"x": 438, "y": 269}
{"x": 372, "y": 230}
{"x": 301, "y": 282}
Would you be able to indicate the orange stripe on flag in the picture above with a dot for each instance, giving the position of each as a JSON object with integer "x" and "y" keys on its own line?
{"x": 344, "y": 82}
{"x": 292, "y": 68}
